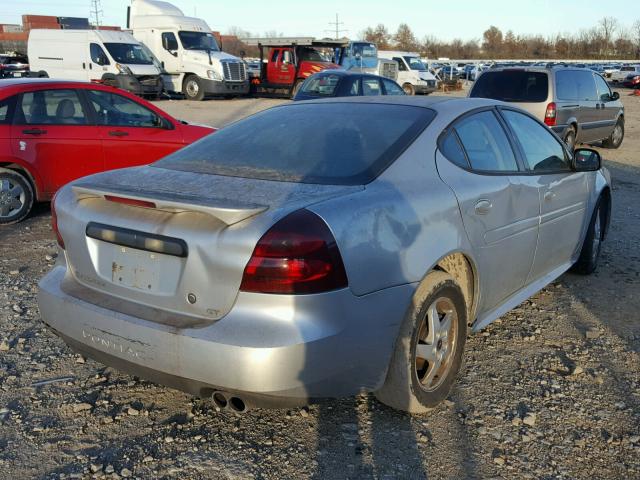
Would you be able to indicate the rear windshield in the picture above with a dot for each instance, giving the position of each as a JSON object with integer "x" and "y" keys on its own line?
{"x": 512, "y": 86}
{"x": 321, "y": 85}
{"x": 324, "y": 143}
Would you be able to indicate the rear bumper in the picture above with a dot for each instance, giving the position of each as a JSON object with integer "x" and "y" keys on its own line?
{"x": 271, "y": 350}
{"x": 212, "y": 87}
{"x": 149, "y": 85}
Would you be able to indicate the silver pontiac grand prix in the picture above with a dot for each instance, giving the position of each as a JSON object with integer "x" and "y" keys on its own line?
{"x": 321, "y": 249}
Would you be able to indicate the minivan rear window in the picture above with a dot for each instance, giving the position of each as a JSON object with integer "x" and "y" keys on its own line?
{"x": 324, "y": 143}
{"x": 512, "y": 86}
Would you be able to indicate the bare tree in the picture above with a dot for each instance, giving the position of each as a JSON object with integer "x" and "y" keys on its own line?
{"x": 405, "y": 39}
{"x": 492, "y": 44}
{"x": 636, "y": 36}
{"x": 608, "y": 26}
{"x": 378, "y": 35}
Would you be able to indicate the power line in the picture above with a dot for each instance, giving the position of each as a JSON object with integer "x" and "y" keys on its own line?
{"x": 96, "y": 12}
{"x": 338, "y": 30}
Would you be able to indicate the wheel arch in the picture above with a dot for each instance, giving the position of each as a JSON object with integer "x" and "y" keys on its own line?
{"x": 605, "y": 196}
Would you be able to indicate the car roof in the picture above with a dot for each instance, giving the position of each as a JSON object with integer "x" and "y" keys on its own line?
{"x": 11, "y": 86}
{"x": 345, "y": 73}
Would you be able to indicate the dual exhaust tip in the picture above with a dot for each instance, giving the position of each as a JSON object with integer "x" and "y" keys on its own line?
{"x": 224, "y": 401}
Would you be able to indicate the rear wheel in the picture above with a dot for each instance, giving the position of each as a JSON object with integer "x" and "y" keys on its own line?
{"x": 617, "y": 135}
{"x": 408, "y": 89}
{"x": 592, "y": 245}
{"x": 570, "y": 138}
{"x": 428, "y": 351}
{"x": 16, "y": 197}
{"x": 193, "y": 88}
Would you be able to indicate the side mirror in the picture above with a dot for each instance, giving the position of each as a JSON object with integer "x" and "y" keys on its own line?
{"x": 586, "y": 160}
{"x": 615, "y": 96}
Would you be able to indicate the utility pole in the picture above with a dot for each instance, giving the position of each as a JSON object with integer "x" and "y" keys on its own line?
{"x": 337, "y": 24}
{"x": 96, "y": 12}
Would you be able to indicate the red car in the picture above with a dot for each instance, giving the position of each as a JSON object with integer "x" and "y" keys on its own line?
{"x": 632, "y": 81}
{"x": 52, "y": 132}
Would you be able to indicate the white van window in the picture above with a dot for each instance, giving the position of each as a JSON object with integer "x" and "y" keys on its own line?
{"x": 129, "y": 53}
{"x": 415, "y": 63}
{"x": 97, "y": 55}
{"x": 50, "y": 107}
{"x": 401, "y": 65}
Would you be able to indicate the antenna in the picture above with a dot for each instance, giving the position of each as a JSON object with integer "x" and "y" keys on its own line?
{"x": 96, "y": 12}
{"x": 337, "y": 25}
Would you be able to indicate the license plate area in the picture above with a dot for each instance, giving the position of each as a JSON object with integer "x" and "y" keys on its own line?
{"x": 136, "y": 269}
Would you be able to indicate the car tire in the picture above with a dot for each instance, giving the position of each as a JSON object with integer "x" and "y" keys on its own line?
{"x": 570, "y": 138}
{"x": 296, "y": 88}
{"x": 617, "y": 135}
{"x": 16, "y": 197}
{"x": 592, "y": 245}
{"x": 408, "y": 89}
{"x": 193, "y": 88}
{"x": 413, "y": 383}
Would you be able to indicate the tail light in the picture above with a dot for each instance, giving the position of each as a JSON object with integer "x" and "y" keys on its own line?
{"x": 550, "y": 115}
{"x": 54, "y": 222}
{"x": 130, "y": 201}
{"x": 298, "y": 255}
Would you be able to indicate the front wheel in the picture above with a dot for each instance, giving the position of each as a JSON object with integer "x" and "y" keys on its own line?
{"x": 617, "y": 135}
{"x": 408, "y": 89}
{"x": 193, "y": 88}
{"x": 570, "y": 138}
{"x": 428, "y": 351}
{"x": 16, "y": 197}
{"x": 592, "y": 245}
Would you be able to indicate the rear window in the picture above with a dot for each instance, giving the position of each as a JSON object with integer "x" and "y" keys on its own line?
{"x": 323, "y": 143}
{"x": 321, "y": 85}
{"x": 512, "y": 86}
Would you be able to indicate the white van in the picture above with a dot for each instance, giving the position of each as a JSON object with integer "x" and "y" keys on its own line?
{"x": 188, "y": 51}
{"x": 105, "y": 56}
{"x": 413, "y": 75}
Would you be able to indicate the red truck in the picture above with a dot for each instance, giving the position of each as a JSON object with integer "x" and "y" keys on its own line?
{"x": 286, "y": 62}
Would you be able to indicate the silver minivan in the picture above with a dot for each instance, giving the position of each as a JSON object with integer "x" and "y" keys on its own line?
{"x": 576, "y": 103}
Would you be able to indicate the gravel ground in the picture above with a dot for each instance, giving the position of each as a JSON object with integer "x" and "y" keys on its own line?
{"x": 551, "y": 390}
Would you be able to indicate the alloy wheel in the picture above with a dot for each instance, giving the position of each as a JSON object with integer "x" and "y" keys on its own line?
{"x": 12, "y": 197}
{"x": 436, "y": 345}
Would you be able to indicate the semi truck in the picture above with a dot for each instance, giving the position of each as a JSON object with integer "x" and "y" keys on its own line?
{"x": 187, "y": 50}
{"x": 363, "y": 57}
{"x": 285, "y": 62}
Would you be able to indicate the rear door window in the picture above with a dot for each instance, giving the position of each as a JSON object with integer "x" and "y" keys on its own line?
{"x": 321, "y": 85}
{"x": 326, "y": 143}
{"x": 586, "y": 86}
{"x": 566, "y": 85}
{"x": 392, "y": 88}
{"x": 512, "y": 86}
{"x": 6, "y": 106}
{"x": 486, "y": 143}
{"x": 51, "y": 107}
{"x": 371, "y": 87}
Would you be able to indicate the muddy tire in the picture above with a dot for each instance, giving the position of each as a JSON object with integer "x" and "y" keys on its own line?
{"x": 592, "y": 245}
{"x": 408, "y": 89}
{"x": 429, "y": 347}
{"x": 16, "y": 197}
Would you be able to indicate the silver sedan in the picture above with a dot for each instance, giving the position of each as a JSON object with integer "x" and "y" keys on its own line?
{"x": 320, "y": 249}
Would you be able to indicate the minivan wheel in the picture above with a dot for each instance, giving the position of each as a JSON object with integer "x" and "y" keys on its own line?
{"x": 617, "y": 135}
{"x": 193, "y": 88}
{"x": 592, "y": 245}
{"x": 408, "y": 89}
{"x": 429, "y": 347}
{"x": 16, "y": 197}
{"x": 570, "y": 138}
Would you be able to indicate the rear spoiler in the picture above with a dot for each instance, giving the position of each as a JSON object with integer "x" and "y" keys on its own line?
{"x": 225, "y": 210}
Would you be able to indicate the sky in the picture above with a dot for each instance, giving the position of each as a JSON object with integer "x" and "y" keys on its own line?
{"x": 446, "y": 20}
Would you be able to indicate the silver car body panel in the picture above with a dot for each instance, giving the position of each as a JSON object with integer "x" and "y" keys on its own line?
{"x": 390, "y": 233}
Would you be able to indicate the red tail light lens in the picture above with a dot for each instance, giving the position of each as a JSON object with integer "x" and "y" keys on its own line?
{"x": 130, "y": 201}
{"x": 298, "y": 255}
{"x": 550, "y": 115}
{"x": 54, "y": 222}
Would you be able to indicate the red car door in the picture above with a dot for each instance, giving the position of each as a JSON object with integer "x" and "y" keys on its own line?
{"x": 132, "y": 134}
{"x": 52, "y": 133}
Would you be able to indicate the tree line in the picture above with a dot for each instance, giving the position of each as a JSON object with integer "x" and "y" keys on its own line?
{"x": 607, "y": 40}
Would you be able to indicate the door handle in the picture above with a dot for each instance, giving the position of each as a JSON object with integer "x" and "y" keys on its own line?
{"x": 118, "y": 133}
{"x": 34, "y": 131}
{"x": 84, "y": 65}
{"x": 549, "y": 195}
{"x": 483, "y": 207}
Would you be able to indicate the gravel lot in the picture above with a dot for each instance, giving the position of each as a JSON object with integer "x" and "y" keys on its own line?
{"x": 551, "y": 390}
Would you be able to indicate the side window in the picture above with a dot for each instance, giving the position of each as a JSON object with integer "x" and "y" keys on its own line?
{"x": 566, "y": 86}
{"x": 97, "y": 55}
{"x": 286, "y": 56}
{"x": 542, "y": 151}
{"x": 169, "y": 41}
{"x": 604, "y": 92}
{"x": 586, "y": 86}
{"x": 5, "y": 110}
{"x": 486, "y": 143}
{"x": 52, "y": 107}
{"x": 371, "y": 87}
{"x": 115, "y": 110}
{"x": 401, "y": 66}
{"x": 451, "y": 148}
{"x": 274, "y": 55}
{"x": 392, "y": 88}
